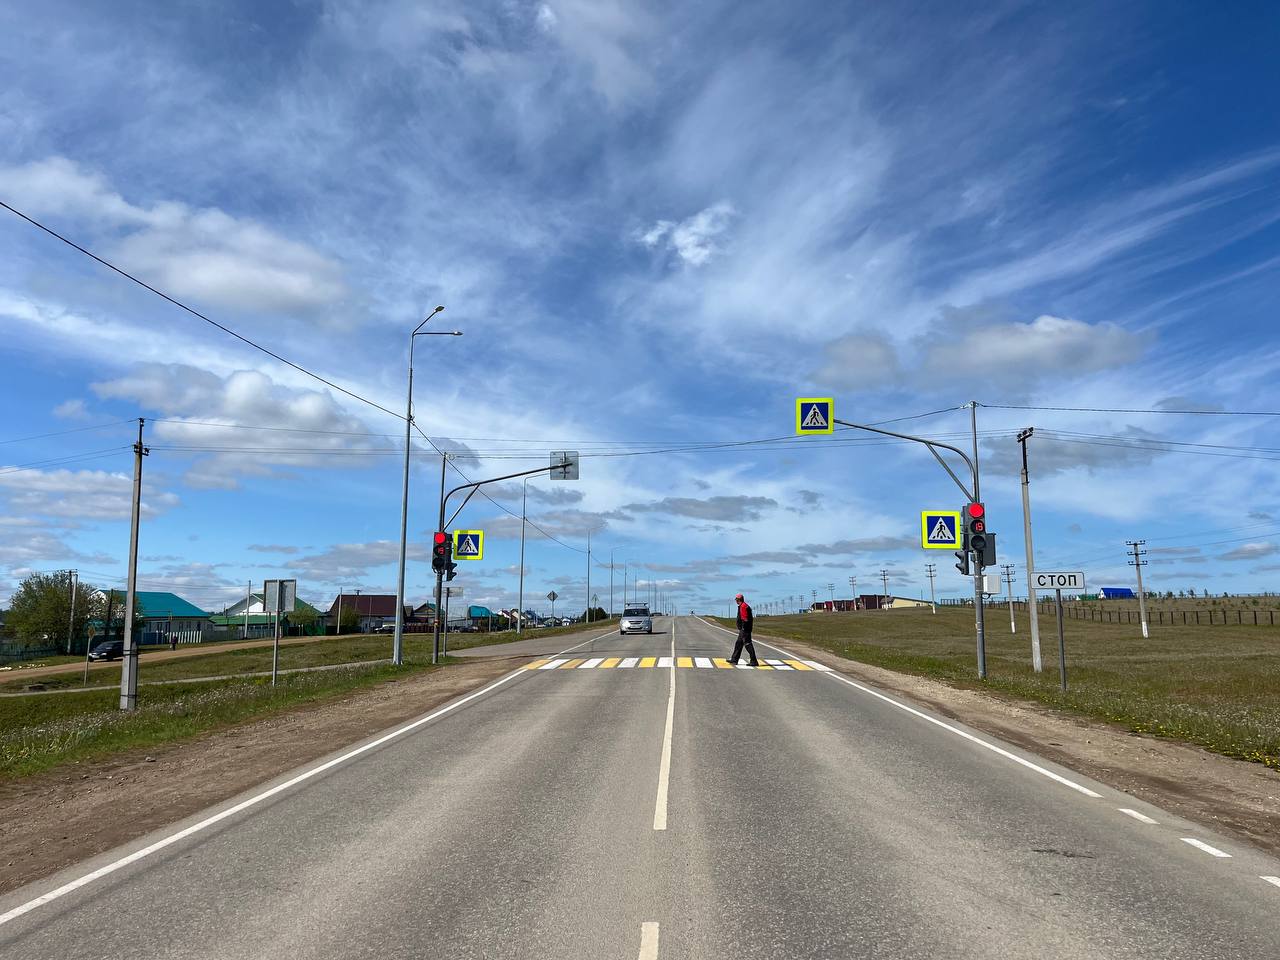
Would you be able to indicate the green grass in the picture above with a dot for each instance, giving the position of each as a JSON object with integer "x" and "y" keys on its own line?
{"x": 1213, "y": 686}
{"x": 465, "y": 641}
{"x": 37, "y": 733}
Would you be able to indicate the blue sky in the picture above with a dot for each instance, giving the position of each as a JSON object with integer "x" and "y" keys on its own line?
{"x": 656, "y": 225}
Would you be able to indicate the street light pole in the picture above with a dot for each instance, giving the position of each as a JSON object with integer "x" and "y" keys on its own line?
{"x": 524, "y": 503}
{"x": 397, "y": 644}
{"x": 1033, "y": 612}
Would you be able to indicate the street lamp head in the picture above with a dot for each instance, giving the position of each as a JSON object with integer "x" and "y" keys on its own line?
{"x": 456, "y": 333}
{"x": 437, "y": 310}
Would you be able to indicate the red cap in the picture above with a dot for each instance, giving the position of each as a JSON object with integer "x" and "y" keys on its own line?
{"x": 738, "y": 597}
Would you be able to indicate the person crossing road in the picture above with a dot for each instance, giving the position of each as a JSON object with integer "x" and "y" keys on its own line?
{"x": 745, "y": 622}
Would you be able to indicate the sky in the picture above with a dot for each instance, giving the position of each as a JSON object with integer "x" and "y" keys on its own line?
{"x": 655, "y": 225}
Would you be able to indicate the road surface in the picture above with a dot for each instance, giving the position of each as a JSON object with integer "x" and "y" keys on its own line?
{"x": 608, "y": 808}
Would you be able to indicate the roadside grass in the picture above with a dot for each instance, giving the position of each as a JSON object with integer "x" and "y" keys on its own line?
{"x": 37, "y": 733}
{"x": 465, "y": 641}
{"x": 1213, "y": 686}
{"x": 17, "y": 666}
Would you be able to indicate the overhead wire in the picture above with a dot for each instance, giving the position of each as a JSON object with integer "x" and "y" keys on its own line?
{"x": 1189, "y": 413}
{"x": 196, "y": 313}
{"x": 62, "y": 433}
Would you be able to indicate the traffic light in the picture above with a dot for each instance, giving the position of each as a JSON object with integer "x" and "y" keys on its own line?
{"x": 963, "y": 565}
{"x": 442, "y": 553}
{"x": 987, "y": 556}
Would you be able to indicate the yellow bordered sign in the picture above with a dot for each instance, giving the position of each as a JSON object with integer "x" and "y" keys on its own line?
{"x": 468, "y": 544}
{"x": 940, "y": 529}
{"x": 815, "y": 415}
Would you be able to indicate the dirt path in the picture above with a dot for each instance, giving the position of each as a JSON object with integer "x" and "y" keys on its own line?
{"x": 1232, "y": 796}
{"x": 52, "y": 820}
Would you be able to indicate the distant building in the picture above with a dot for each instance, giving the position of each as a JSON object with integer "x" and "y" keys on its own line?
{"x": 166, "y": 617}
{"x": 1117, "y": 593}
{"x": 259, "y": 623}
{"x": 867, "y": 601}
{"x": 372, "y": 609}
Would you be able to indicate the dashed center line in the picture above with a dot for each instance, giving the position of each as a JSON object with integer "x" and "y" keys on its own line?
{"x": 1201, "y": 845}
{"x": 1140, "y": 817}
{"x": 649, "y": 940}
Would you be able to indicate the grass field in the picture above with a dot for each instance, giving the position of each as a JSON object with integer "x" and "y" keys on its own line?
{"x": 1215, "y": 687}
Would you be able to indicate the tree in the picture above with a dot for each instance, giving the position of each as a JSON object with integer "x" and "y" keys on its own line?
{"x": 110, "y": 612}
{"x": 41, "y": 609}
{"x": 597, "y": 613}
{"x": 303, "y": 617}
{"x": 348, "y": 619}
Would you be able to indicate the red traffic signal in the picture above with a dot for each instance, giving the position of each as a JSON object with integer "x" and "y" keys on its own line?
{"x": 441, "y": 537}
{"x": 976, "y": 510}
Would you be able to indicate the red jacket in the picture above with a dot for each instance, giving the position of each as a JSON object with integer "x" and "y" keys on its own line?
{"x": 745, "y": 619}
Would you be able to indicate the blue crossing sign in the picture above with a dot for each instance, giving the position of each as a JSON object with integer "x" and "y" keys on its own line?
{"x": 940, "y": 529}
{"x": 468, "y": 544}
{"x": 815, "y": 415}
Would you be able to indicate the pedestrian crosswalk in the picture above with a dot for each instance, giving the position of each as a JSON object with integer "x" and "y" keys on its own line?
{"x": 688, "y": 663}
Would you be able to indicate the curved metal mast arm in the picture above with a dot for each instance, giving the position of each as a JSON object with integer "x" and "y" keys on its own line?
{"x": 931, "y": 444}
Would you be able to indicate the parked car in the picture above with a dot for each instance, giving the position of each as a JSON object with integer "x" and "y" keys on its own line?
{"x": 635, "y": 620}
{"x": 107, "y": 650}
{"x": 385, "y": 628}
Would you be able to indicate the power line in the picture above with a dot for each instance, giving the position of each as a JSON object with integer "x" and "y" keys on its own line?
{"x": 63, "y": 461}
{"x": 196, "y": 313}
{"x": 1195, "y": 413}
{"x": 62, "y": 433}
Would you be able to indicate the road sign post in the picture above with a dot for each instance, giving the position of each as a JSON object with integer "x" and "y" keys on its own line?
{"x": 278, "y": 596}
{"x": 553, "y": 597}
{"x": 1057, "y": 581}
{"x": 1062, "y": 642}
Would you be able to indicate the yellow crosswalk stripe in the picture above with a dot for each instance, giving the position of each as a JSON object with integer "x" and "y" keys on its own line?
{"x": 797, "y": 665}
{"x": 648, "y": 661}
{"x": 572, "y": 664}
{"x": 611, "y": 662}
{"x": 722, "y": 663}
{"x": 536, "y": 664}
{"x": 762, "y": 666}
{"x": 684, "y": 661}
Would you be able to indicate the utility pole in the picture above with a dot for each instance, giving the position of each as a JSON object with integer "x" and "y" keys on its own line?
{"x": 814, "y": 594}
{"x": 831, "y": 588}
{"x": 248, "y": 602}
{"x": 588, "y": 576}
{"x": 979, "y": 615}
{"x": 74, "y": 579}
{"x": 129, "y": 668}
{"x": 524, "y": 505}
{"x": 932, "y": 570}
{"x": 884, "y": 578}
{"x": 1034, "y": 613}
{"x": 1138, "y": 563}
{"x": 1008, "y": 582}
{"x": 611, "y": 549}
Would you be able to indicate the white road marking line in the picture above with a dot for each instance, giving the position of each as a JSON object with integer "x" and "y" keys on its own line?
{"x": 649, "y": 940}
{"x": 110, "y": 868}
{"x": 812, "y": 663}
{"x": 743, "y": 666}
{"x": 1057, "y": 778}
{"x": 629, "y": 662}
{"x": 1141, "y": 817}
{"x": 591, "y": 664}
{"x": 553, "y": 664}
{"x": 1274, "y": 881}
{"x": 779, "y": 665}
{"x": 666, "y": 661}
{"x": 1201, "y": 845}
{"x": 703, "y": 662}
{"x": 664, "y": 765}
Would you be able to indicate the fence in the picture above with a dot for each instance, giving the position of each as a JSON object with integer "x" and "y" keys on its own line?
{"x": 1205, "y": 616}
{"x": 13, "y": 652}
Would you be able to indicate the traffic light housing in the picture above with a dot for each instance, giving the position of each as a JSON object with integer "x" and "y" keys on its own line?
{"x": 442, "y": 553}
{"x": 987, "y": 556}
{"x": 963, "y": 565}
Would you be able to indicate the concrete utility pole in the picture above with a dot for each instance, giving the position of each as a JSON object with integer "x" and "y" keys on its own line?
{"x": 853, "y": 590}
{"x": 74, "y": 579}
{"x": 932, "y": 570}
{"x": 1138, "y": 563}
{"x": 831, "y": 588}
{"x": 979, "y": 615}
{"x": 884, "y": 579}
{"x": 588, "y": 576}
{"x": 1008, "y": 582}
{"x": 1034, "y": 614}
{"x": 611, "y": 583}
{"x": 129, "y": 668}
{"x": 248, "y": 602}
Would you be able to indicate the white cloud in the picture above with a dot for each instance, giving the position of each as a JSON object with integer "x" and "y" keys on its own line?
{"x": 694, "y": 238}
{"x": 204, "y": 254}
{"x": 71, "y": 410}
{"x": 87, "y": 494}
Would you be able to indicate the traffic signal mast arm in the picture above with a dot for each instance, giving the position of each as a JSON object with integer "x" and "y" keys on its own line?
{"x": 473, "y": 487}
{"x": 931, "y": 444}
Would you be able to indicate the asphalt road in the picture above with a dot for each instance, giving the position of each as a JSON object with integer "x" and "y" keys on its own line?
{"x": 684, "y": 811}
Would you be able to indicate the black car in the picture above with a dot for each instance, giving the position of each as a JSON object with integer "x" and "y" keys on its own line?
{"x": 107, "y": 650}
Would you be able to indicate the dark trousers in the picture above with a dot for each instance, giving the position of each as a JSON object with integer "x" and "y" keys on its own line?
{"x": 744, "y": 640}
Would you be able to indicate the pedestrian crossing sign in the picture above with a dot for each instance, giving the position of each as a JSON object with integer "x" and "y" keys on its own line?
{"x": 815, "y": 415}
{"x": 940, "y": 529}
{"x": 468, "y": 544}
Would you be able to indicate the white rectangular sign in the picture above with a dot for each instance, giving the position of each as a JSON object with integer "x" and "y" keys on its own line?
{"x": 1058, "y": 580}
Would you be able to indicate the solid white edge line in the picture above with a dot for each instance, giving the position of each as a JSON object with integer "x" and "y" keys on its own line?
{"x": 1057, "y": 778}
{"x": 1201, "y": 845}
{"x": 110, "y": 868}
{"x": 664, "y": 765}
{"x": 1274, "y": 881}
{"x": 649, "y": 940}
{"x": 1140, "y": 817}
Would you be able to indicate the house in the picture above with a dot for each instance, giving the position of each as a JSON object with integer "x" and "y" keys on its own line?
{"x": 166, "y": 617}
{"x": 867, "y": 601}
{"x": 1117, "y": 593}
{"x": 372, "y": 610}
{"x": 259, "y": 623}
